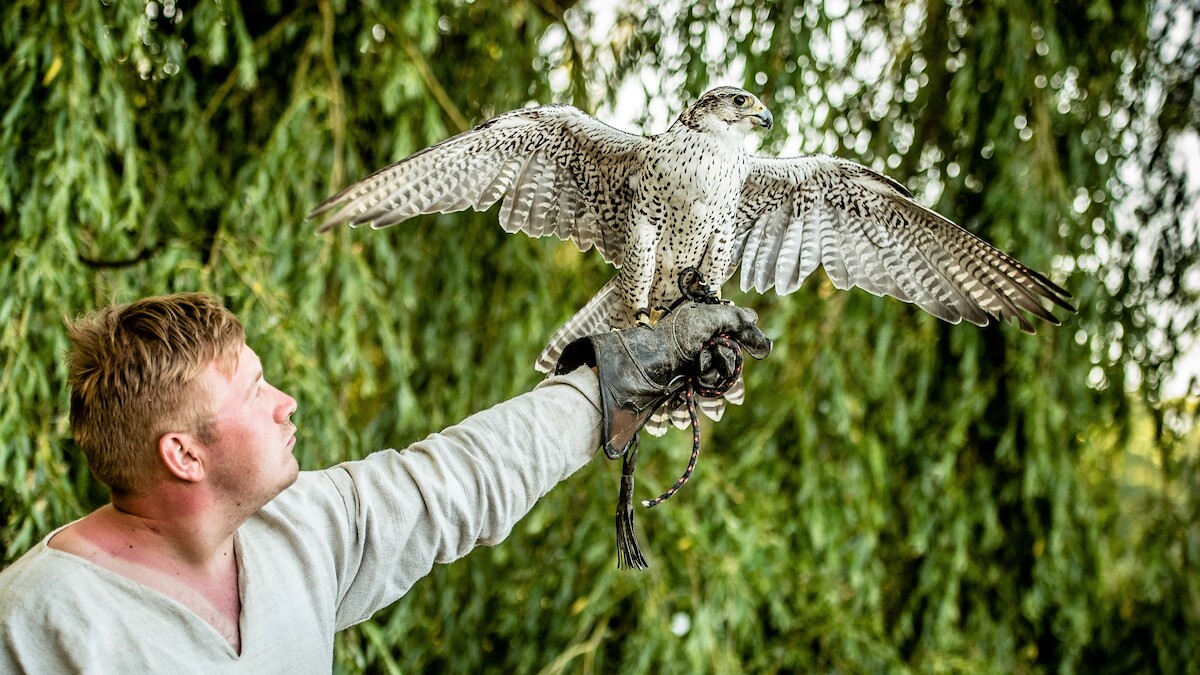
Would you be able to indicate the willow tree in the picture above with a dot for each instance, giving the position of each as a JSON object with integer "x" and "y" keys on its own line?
{"x": 896, "y": 493}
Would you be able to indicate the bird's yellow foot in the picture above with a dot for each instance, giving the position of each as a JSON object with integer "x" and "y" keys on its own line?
{"x": 649, "y": 317}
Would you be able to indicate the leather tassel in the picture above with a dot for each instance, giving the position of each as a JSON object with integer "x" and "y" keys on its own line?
{"x": 629, "y": 553}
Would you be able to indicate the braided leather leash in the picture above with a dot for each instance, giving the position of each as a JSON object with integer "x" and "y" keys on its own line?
{"x": 629, "y": 553}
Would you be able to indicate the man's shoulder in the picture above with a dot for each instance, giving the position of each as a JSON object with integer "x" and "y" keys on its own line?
{"x": 305, "y": 511}
{"x": 43, "y": 580}
{"x": 330, "y": 490}
{"x": 40, "y": 565}
{"x": 312, "y": 491}
{"x": 316, "y": 518}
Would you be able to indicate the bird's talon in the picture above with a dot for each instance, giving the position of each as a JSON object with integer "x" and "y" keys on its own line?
{"x": 693, "y": 287}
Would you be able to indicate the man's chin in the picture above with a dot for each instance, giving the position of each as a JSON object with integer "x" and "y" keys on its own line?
{"x": 292, "y": 475}
{"x": 288, "y": 479}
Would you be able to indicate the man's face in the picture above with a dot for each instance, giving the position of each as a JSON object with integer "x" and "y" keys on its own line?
{"x": 250, "y": 457}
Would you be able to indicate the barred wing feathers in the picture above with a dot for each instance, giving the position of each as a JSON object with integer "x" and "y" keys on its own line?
{"x": 867, "y": 231}
{"x": 564, "y": 173}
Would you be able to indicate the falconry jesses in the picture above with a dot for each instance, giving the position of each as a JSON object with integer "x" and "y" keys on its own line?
{"x": 693, "y": 196}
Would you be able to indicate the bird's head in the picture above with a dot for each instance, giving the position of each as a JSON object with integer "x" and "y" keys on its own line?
{"x": 726, "y": 109}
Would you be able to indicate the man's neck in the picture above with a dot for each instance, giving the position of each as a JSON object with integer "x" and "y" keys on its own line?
{"x": 170, "y": 532}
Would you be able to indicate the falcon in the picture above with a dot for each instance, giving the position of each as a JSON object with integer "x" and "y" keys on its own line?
{"x": 693, "y": 196}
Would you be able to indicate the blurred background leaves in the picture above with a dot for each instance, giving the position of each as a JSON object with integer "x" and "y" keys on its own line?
{"x": 896, "y": 494}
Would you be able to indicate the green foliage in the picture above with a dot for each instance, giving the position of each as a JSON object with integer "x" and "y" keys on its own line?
{"x": 896, "y": 494}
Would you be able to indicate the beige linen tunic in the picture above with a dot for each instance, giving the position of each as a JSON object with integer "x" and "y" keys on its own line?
{"x": 325, "y": 554}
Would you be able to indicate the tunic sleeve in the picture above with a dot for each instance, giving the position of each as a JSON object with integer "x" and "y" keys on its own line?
{"x": 466, "y": 486}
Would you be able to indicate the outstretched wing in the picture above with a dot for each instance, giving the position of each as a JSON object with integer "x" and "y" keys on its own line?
{"x": 565, "y": 174}
{"x": 867, "y": 231}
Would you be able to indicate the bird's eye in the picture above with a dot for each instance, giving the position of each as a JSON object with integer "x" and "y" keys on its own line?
{"x": 739, "y": 100}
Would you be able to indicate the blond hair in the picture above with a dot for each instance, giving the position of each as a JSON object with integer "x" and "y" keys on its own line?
{"x": 134, "y": 372}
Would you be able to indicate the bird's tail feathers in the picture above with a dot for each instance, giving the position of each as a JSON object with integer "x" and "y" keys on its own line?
{"x": 597, "y": 316}
{"x": 712, "y": 408}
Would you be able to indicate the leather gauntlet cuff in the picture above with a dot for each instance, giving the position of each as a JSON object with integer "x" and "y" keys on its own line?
{"x": 635, "y": 375}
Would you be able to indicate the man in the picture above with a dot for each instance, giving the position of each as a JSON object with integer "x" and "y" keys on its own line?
{"x": 217, "y": 555}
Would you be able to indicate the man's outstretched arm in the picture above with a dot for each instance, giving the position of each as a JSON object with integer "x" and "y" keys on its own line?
{"x": 433, "y": 502}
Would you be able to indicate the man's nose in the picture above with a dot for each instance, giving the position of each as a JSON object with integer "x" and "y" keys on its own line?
{"x": 286, "y": 408}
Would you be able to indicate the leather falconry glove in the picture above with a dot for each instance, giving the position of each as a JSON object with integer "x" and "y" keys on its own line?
{"x": 640, "y": 368}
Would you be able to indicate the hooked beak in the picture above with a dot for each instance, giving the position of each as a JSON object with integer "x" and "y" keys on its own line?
{"x": 763, "y": 117}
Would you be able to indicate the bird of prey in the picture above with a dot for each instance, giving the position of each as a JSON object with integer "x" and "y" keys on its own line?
{"x": 693, "y": 196}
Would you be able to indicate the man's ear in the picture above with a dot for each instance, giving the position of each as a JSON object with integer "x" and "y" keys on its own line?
{"x": 182, "y": 455}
